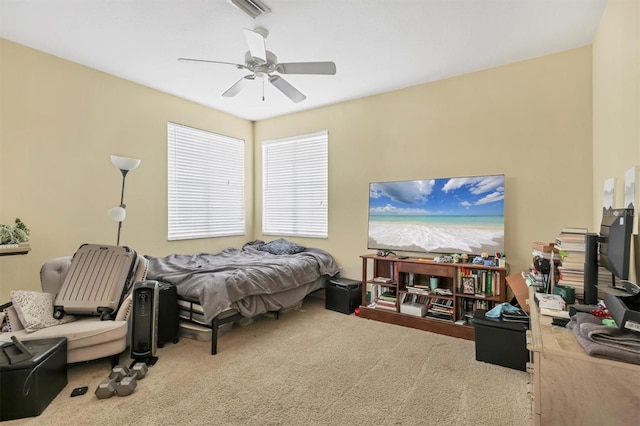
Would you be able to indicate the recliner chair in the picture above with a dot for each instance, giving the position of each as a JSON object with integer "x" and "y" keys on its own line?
{"x": 88, "y": 338}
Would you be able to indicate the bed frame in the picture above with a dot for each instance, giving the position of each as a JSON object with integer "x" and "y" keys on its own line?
{"x": 191, "y": 311}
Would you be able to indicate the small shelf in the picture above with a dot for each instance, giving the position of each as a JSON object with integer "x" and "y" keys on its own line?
{"x": 14, "y": 249}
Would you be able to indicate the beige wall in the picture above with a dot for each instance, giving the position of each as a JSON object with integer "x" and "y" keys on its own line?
{"x": 616, "y": 104}
{"x": 530, "y": 120}
{"x": 59, "y": 123}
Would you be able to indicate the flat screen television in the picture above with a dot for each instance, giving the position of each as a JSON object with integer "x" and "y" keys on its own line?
{"x": 444, "y": 215}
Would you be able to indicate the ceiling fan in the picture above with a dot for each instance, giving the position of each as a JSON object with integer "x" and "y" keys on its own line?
{"x": 263, "y": 64}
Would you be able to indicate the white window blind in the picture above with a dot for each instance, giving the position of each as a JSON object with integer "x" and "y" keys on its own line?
{"x": 206, "y": 184}
{"x": 295, "y": 186}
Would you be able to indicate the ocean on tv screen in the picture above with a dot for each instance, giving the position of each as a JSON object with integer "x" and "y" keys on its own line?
{"x": 451, "y": 215}
{"x": 462, "y": 234}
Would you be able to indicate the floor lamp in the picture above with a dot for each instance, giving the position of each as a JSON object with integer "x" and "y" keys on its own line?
{"x": 124, "y": 164}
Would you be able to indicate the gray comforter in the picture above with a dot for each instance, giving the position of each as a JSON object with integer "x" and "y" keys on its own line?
{"x": 220, "y": 280}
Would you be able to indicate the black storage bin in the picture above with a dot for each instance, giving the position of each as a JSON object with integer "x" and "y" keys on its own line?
{"x": 343, "y": 295}
{"x": 27, "y": 387}
{"x": 500, "y": 342}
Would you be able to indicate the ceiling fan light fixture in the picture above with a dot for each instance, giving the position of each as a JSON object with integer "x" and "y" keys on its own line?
{"x": 253, "y": 8}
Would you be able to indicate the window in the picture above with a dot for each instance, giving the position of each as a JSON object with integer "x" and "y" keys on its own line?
{"x": 295, "y": 186}
{"x": 206, "y": 184}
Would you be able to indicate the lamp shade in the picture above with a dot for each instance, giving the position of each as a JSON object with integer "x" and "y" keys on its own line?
{"x": 125, "y": 163}
{"x": 117, "y": 213}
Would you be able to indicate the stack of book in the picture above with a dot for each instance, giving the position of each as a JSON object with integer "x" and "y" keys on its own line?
{"x": 386, "y": 300}
{"x": 571, "y": 246}
{"x": 542, "y": 250}
{"x": 551, "y": 305}
{"x": 440, "y": 308}
{"x": 535, "y": 279}
{"x": 515, "y": 316}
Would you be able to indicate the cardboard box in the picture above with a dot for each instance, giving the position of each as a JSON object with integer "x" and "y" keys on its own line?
{"x": 415, "y": 309}
{"x": 520, "y": 290}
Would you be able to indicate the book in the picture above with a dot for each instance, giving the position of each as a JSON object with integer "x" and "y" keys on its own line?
{"x": 515, "y": 316}
{"x": 387, "y": 295}
{"x": 418, "y": 290}
{"x": 543, "y": 246}
{"x": 556, "y": 313}
{"x": 386, "y": 303}
{"x": 571, "y": 230}
{"x": 548, "y": 255}
{"x": 550, "y": 301}
{"x": 570, "y": 242}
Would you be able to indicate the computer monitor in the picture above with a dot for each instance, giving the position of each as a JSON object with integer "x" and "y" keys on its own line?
{"x": 616, "y": 229}
{"x": 610, "y": 249}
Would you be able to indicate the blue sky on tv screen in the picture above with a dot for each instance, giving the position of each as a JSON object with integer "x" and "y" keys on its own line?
{"x": 465, "y": 196}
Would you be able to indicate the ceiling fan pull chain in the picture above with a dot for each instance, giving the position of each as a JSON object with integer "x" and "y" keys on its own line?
{"x": 263, "y": 90}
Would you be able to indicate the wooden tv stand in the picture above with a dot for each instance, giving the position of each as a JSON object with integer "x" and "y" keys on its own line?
{"x": 409, "y": 279}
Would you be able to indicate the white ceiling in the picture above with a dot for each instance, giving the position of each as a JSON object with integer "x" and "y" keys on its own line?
{"x": 377, "y": 45}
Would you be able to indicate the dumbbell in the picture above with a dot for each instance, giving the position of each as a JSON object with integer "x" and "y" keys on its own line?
{"x": 121, "y": 381}
{"x": 119, "y": 372}
{"x": 126, "y": 386}
{"x": 106, "y": 389}
{"x": 138, "y": 370}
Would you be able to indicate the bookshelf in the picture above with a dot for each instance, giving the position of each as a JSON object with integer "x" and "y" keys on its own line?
{"x": 430, "y": 296}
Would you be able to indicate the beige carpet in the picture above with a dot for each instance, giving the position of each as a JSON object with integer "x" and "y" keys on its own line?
{"x": 311, "y": 367}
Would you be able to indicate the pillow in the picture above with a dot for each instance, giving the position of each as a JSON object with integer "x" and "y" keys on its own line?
{"x": 35, "y": 310}
{"x": 281, "y": 246}
{"x": 11, "y": 319}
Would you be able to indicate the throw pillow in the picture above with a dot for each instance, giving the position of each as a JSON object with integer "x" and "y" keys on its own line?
{"x": 35, "y": 310}
{"x": 11, "y": 320}
{"x": 281, "y": 246}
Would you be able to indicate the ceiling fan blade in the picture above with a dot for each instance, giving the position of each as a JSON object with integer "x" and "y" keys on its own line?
{"x": 239, "y": 66}
{"x": 283, "y": 85}
{"x": 238, "y": 86}
{"x": 328, "y": 68}
{"x": 255, "y": 41}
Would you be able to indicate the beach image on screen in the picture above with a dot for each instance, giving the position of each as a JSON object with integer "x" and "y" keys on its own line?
{"x": 452, "y": 215}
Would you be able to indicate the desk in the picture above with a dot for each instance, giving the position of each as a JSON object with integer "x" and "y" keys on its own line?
{"x": 573, "y": 388}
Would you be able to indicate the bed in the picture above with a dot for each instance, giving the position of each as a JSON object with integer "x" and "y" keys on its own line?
{"x": 214, "y": 289}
